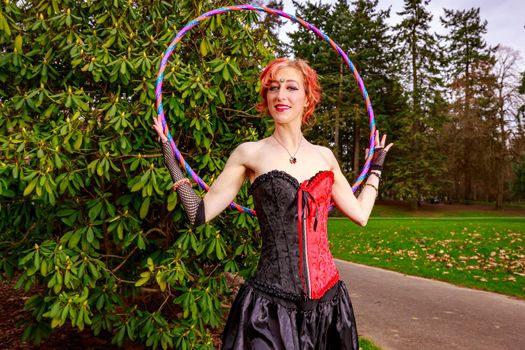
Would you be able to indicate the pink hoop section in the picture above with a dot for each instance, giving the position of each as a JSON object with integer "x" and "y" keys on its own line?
{"x": 198, "y": 20}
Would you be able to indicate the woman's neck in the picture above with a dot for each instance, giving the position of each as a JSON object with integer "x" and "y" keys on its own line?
{"x": 288, "y": 136}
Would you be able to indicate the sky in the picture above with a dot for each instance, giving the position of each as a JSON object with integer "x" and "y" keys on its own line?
{"x": 505, "y": 18}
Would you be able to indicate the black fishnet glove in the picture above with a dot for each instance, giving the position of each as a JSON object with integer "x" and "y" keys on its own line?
{"x": 193, "y": 204}
{"x": 378, "y": 159}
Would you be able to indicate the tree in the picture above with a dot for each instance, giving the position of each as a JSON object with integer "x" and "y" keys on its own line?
{"x": 517, "y": 146}
{"x": 86, "y": 210}
{"x": 420, "y": 163}
{"x": 420, "y": 52}
{"x": 520, "y": 113}
{"x": 465, "y": 50}
{"x": 373, "y": 52}
{"x": 509, "y": 100}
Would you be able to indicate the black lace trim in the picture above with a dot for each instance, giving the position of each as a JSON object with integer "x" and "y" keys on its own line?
{"x": 281, "y": 174}
{"x": 275, "y": 291}
{"x": 273, "y": 174}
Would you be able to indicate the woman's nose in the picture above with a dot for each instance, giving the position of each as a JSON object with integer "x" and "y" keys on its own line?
{"x": 281, "y": 94}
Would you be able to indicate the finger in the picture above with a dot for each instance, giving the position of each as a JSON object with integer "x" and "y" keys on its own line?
{"x": 366, "y": 152}
{"x": 389, "y": 146}
{"x": 383, "y": 140}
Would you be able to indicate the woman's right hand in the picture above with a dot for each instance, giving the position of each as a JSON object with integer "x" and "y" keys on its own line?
{"x": 157, "y": 125}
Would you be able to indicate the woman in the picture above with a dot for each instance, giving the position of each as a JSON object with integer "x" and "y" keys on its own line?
{"x": 295, "y": 300}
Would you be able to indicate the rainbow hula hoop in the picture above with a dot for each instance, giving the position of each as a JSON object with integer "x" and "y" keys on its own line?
{"x": 195, "y": 22}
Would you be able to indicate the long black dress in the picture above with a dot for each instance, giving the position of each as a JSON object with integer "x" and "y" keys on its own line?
{"x": 295, "y": 300}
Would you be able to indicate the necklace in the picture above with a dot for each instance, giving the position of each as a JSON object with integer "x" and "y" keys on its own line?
{"x": 292, "y": 159}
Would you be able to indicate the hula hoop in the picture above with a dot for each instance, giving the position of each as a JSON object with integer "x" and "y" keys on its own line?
{"x": 218, "y": 11}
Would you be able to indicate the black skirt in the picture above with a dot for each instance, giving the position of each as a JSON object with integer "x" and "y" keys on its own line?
{"x": 262, "y": 320}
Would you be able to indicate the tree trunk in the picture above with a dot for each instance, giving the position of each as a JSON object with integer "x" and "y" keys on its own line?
{"x": 500, "y": 158}
{"x": 415, "y": 97}
{"x": 357, "y": 136}
{"x": 467, "y": 194}
{"x": 338, "y": 112}
{"x": 499, "y": 193}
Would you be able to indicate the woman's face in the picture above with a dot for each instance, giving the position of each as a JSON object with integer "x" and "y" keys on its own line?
{"x": 287, "y": 96}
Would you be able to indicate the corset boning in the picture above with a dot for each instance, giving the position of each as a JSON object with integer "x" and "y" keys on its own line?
{"x": 295, "y": 259}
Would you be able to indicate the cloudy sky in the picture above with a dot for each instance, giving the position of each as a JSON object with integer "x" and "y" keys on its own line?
{"x": 505, "y": 18}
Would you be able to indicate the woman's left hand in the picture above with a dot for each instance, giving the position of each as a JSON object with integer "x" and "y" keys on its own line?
{"x": 380, "y": 151}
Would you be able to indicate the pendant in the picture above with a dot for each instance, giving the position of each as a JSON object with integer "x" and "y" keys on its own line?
{"x": 293, "y": 160}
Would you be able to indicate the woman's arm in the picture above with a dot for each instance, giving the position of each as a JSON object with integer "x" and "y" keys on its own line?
{"x": 220, "y": 194}
{"x": 223, "y": 190}
{"x": 359, "y": 209}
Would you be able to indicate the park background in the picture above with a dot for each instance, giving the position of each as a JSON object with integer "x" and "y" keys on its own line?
{"x": 94, "y": 241}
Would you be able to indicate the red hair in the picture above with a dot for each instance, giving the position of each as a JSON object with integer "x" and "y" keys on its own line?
{"x": 311, "y": 83}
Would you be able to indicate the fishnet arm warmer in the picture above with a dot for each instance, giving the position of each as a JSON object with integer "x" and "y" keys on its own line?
{"x": 193, "y": 204}
{"x": 378, "y": 159}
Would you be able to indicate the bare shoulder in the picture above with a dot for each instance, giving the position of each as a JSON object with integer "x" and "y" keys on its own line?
{"x": 327, "y": 154}
{"x": 248, "y": 148}
{"x": 246, "y": 152}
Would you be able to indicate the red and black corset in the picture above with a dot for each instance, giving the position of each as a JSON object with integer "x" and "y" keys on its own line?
{"x": 295, "y": 261}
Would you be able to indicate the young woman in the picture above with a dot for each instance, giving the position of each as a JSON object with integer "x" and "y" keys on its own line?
{"x": 295, "y": 300}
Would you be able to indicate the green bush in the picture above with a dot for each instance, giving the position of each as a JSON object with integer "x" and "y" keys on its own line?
{"x": 88, "y": 221}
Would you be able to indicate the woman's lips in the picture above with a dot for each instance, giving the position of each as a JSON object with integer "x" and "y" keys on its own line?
{"x": 281, "y": 108}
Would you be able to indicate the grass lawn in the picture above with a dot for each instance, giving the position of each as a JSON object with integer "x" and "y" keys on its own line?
{"x": 477, "y": 250}
{"x": 398, "y": 209}
{"x": 365, "y": 344}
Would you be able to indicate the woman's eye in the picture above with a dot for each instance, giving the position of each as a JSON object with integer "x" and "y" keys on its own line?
{"x": 274, "y": 88}
{"x": 293, "y": 88}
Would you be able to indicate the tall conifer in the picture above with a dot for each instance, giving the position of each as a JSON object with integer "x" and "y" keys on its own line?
{"x": 419, "y": 160}
{"x": 466, "y": 51}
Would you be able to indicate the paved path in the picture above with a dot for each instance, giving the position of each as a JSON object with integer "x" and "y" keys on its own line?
{"x": 403, "y": 312}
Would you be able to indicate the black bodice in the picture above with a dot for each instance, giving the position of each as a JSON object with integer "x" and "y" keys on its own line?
{"x": 275, "y": 198}
{"x": 295, "y": 262}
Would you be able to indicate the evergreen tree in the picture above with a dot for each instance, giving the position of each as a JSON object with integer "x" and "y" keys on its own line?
{"x": 420, "y": 53}
{"x": 466, "y": 50}
{"x": 373, "y": 52}
{"x": 419, "y": 165}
